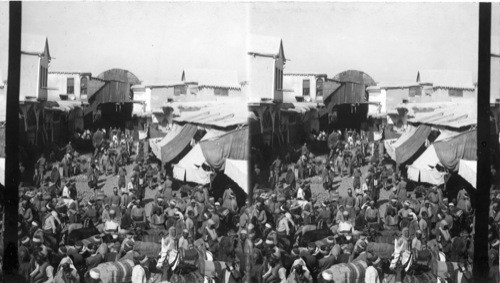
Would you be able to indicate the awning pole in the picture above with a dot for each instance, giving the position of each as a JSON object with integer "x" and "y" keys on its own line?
{"x": 482, "y": 193}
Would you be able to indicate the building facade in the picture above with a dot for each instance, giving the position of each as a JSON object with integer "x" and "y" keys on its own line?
{"x": 68, "y": 85}
{"x": 35, "y": 59}
{"x": 303, "y": 87}
{"x": 208, "y": 85}
{"x": 266, "y": 62}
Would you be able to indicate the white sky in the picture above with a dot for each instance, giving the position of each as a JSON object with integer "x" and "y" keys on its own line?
{"x": 156, "y": 41}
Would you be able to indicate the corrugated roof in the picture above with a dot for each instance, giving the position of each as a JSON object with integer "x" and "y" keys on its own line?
{"x": 263, "y": 45}
{"x": 422, "y": 108}
{"x": 446, "y": 78}
{"x": 221, "y": 115}
{"x": 34, "y": 43}
{"x": 212, "y": 77}
{"x": 455, "y": 116}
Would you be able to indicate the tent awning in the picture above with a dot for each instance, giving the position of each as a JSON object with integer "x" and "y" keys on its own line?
{"x": 463, "y": 146}
{"x": 156, "y": 133}
{"x": 468, "y": 170}
{"x": 408, "y": 144}
{"x": 409, "y": 147}
{"x": 156, "y": 143}
{"x": 392, "y": 144}
{"x": 424, "y": 168}
{"x": 237, "y": 170}
{"x": 173, "y": 143}
{"x": 389, "y": 134}
{"x": 446, "y": 134}
{"x": 189, "y": 167}
{"x": 232, "y": 145}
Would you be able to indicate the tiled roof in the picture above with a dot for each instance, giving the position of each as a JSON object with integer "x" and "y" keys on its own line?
{"x": 446, "y": 78}
{"x": 212, "y": 78}
{"x": 263, "y": 45}
{"x": 33, "y": 43}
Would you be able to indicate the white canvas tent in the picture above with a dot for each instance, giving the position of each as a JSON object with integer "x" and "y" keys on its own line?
{"x": 237, "y": 170}
{"x": 189, "y": 168}
{"x": 468, "y": 170}
{"x": 424, "y": 168}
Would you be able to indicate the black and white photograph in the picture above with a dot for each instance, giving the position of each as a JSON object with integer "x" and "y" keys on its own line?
{"x": 260, "y": 142}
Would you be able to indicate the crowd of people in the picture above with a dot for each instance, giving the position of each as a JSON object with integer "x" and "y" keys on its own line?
{"x": 434, "y": 221}
{"x": 286, "y": 233}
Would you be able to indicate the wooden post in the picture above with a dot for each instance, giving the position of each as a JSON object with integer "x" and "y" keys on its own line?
{"x": 482, "y": 193}
{"x": 10, "y": 196}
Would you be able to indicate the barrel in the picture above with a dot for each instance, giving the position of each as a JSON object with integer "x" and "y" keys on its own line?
{"x": 116, "y": 272}
{"x": 353, "y": 272}
{"x": 381, "y": 250}
{"x": 440, "y": 268}
{"x": 151, "y": 250}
